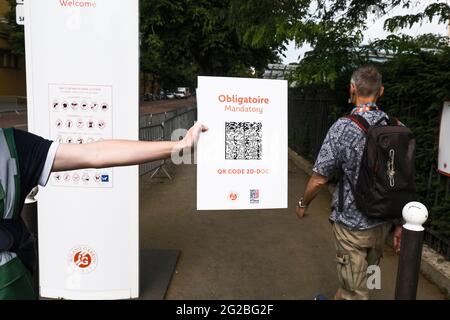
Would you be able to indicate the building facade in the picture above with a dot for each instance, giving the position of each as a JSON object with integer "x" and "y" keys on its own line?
{"x": 12, "y": 66}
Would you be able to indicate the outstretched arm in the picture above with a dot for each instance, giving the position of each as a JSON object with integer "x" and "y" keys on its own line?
{"x": 114, "y": 153}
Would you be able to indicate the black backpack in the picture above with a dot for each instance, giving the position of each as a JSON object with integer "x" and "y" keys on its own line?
{"x": 386, "y": 181}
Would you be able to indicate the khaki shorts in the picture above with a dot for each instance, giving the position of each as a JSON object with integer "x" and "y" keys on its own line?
{"x": 355, "y": 252}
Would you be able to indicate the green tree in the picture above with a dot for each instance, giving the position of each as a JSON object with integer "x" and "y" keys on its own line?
{"x": 334, "y": 30}
{"x": 227, "y": 38}
{"x": 15, "y": 32}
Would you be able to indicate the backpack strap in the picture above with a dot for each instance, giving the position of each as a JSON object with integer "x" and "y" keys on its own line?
{"x": 359, "y": 121}
{"x": 364, "y": 126}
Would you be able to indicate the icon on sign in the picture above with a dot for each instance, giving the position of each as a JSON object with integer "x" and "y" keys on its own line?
{"x": 105, "y": 178}
{"x": 254, "y": 196}
{"x": 105, "y": 107}
{"x": 76, "y": 177}
{"x": 86, "y": 177}
{"x": 84, "y": 105}
{"x": 65, "y": 105}
{"x": 94, "y": 106}
{"x": 80, "y": 140}
{"x": 97, "y": 178}
{"x": 90, "y": 124}
{"x": 55, "y": 105}
{"x": 69, "y": 124}
{"x": 101, "y": 124}
{"x": 69, "y": 140}
{"x": 57, "y": 177}
{"x": 80, "y": 123}
{"x": 59, "y": 123}
{"x": 66, "y": 177}
{"x": 74, "y": 105}
{"x": 233, "y": 196}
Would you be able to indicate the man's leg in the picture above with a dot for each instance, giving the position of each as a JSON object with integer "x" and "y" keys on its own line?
{"x": 351, "y": 258}
{"x": 375, "y": 252}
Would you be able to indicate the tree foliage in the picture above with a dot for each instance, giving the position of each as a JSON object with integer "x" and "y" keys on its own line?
{"x": 335, "y": 31}
{"x": 210, "y": 37}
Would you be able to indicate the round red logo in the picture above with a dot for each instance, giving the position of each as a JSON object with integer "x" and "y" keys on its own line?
{"x": 83, "y": 259}
{"x": 233, "y": 196}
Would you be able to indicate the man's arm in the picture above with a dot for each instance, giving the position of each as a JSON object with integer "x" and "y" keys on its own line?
{"x": 315, "y": 183}
{"x": 328, "y": 160}
{"x": 113, "y": 153}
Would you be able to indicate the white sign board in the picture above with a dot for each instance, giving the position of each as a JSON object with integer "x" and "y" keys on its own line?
{"x": 444, "y": 141}
{"x": 82, "y": 83}
{"x": 242, "y": 159}
{"x": 20, "y": 15}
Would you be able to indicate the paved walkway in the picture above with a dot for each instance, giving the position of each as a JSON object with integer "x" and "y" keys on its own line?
{"x": 262, "y": 254}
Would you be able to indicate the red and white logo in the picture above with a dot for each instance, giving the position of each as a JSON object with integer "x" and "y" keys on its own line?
{"x": 233, "y": 196}
{"x": 83, "y": 259}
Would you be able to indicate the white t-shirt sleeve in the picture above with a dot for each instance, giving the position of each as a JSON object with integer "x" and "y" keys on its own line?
{"x": 43, "y": 179}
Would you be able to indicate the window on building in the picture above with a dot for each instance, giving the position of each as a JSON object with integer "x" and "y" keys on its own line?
{"x": 8, "y": 60}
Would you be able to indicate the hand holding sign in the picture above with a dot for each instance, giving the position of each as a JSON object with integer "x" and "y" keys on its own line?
{"x": 193, "y": 135}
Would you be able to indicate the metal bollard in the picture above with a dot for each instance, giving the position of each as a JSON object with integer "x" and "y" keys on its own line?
{"x": 415, "y": 214}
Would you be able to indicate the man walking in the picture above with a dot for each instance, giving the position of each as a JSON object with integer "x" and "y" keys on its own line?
{"x": 359, "y": 238}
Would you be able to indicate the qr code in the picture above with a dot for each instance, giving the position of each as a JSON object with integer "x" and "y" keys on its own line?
{"x": 243, "y": 140}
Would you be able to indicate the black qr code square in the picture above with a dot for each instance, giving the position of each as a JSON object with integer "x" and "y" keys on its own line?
{"x": 243, "y": 140}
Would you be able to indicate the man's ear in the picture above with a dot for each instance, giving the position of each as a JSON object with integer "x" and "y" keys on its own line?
{"x": 381, "y": 91}
{"x": 352, "y": 88}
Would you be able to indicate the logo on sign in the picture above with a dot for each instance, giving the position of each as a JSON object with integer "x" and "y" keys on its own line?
{"x": 254, "y": 196}
{"x": 83, "y": 259}
{"x": 105, "y": 178}
{"x": 233, "y": 196}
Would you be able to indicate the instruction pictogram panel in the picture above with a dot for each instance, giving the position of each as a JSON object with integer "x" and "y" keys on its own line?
{"x": 81, "y": 114}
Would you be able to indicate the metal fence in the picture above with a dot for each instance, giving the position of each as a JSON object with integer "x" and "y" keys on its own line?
{"x": 309, "y": 121}
{"x": 160, "y": 127}
{"x": 13, "y": 104}
{"x": 310, "y": 116}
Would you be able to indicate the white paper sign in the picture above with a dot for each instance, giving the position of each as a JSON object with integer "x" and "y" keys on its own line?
{"x": 242, "y": 159}
{"x": 20, "y": 14}
{"x": 444, "y": 141}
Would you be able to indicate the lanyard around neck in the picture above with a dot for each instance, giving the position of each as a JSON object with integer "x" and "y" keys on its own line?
{"x": 371, "y": 106}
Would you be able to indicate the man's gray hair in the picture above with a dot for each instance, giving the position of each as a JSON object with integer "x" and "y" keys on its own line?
{"x": 367, "y": 80}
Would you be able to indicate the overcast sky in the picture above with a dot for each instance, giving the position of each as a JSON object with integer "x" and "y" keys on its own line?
{"x": 375, "y": 30}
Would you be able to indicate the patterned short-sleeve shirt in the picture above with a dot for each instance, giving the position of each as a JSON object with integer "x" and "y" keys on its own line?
{"x": 343, "y": 147}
